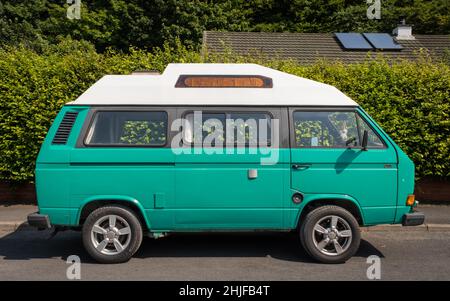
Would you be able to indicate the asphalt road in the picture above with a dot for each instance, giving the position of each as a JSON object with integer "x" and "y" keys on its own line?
{"x": 405, "y": 255}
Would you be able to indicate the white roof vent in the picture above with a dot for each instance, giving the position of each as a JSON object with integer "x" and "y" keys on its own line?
{"x": 403, "y": 31}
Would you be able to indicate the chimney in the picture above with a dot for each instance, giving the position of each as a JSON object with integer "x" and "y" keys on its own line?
{"x": 145, "y": 72}
{"x": 403, "y": 31}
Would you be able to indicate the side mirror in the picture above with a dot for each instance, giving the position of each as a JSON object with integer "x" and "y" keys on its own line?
{"x": 365, "y": 140}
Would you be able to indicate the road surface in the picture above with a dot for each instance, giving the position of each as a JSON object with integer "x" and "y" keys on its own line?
{"x": 405, "y": 255}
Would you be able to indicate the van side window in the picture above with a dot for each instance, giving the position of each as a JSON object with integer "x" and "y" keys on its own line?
{"x": 325, "y": 129}
{"x": 120, "y": 128}
{"x": 248, "y": 129}
{"x": 238, "y": 129}
{"x": 210, "y": 123}
{"x": 373, "y": 139}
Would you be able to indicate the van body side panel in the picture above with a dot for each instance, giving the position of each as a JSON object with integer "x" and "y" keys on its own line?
{"x": 368, "y": 177}
{"x": 143, "y": 175}
{"x": 371, "y": 184}
{"x": 405, "y": 185}
{"x": 215, "y": 192}
{"x": 68, "y": 177}
{"x": 53, "y": 182}
{"x": 405, "y": 175}
{"x": 138, "y": 174}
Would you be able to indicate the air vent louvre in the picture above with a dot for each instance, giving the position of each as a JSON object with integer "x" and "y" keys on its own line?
{"x": 63, "y": 132}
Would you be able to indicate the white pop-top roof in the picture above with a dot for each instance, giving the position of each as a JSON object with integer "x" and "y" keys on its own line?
{"x": 160, "y": 89}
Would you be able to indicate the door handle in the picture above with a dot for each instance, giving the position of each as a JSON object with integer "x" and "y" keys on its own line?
{"x": 301, "y": 166}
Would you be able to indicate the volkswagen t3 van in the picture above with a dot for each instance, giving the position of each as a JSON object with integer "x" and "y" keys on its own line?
{"x": 219, "y": 147}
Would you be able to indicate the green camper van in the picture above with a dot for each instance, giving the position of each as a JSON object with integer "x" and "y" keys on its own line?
{"x": 219, "y": 147}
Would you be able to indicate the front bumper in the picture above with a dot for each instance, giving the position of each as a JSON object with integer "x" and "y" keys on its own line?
{"x": 40, "y": 221}
{"x": 413, "y": 219}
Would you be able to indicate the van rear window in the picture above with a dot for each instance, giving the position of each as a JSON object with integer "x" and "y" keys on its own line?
{"x": 128, "y": 128}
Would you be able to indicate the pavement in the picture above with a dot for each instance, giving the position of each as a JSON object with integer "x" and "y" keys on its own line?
{"x": 16, "y": 213}
{"x": 406, "y": 253}
{"x": 13, "y": 216}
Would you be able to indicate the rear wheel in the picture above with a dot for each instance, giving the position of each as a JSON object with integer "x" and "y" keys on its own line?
{"x": 112, "y": 234}
{"x": 330, "y": 234}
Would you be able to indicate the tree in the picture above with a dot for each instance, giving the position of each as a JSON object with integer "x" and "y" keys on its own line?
{"x": 122, "y": 24}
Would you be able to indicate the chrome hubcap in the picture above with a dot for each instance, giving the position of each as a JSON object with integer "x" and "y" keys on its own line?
{"x": 332, "y": 235}
{"x": 111, "y": 234}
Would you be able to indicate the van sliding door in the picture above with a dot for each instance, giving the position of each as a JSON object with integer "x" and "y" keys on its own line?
{"x": 231, "y": 187}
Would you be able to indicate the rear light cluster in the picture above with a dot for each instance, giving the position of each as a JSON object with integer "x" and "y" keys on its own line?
{"x": 410, "y": 200}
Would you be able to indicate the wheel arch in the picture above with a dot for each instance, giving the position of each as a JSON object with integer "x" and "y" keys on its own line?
{"x": 92, "y": 203}
{"x": 345, "y": 202}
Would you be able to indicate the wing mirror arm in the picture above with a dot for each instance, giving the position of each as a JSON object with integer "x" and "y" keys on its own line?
{"x": 365, "y": 140}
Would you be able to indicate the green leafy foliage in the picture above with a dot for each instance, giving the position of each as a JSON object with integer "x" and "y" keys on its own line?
{"x": 121, "y": 24}
{"x": 144, "y": 133}
{"x": 410, "y": 100}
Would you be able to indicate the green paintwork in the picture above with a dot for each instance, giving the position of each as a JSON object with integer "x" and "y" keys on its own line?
{"x": 195, "y": 192}
{"x": 405, "y": 176}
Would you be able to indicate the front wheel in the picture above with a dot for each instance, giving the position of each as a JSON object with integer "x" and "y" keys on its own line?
{"x": 330, "y": 234}
{"x": 112, "y": 234}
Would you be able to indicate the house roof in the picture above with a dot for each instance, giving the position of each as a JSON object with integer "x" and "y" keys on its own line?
{"x": 309, "y": 47}
{"x": 160, "y": 89}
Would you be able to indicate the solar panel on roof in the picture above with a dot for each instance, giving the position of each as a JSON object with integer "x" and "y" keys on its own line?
{"x": 382, "y": 41}
{"x": 353, "y": 40}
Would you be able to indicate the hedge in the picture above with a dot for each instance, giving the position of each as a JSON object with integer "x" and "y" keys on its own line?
{"x": 410, "y": 100}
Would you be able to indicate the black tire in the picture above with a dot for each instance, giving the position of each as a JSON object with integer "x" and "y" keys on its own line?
{"x": 135, "y": 232}
{"x": 309, "y": 237}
